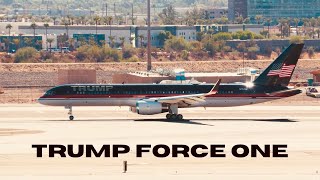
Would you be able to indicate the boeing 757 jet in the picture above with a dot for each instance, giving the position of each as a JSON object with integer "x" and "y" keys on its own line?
{"x": 150, "y": 99}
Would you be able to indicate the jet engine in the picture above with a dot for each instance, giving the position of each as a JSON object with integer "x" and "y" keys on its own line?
{"x": 147, "y": 108}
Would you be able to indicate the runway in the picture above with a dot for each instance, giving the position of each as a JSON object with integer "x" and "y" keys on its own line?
{"x": 24, "y": 125}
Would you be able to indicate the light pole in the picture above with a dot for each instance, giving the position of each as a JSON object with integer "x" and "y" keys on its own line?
{"x": 149, "y": 37}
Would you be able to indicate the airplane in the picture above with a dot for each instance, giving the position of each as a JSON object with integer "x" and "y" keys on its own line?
{"x": 151, "y": 99}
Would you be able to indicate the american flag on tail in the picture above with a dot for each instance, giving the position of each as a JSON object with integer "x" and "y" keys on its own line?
{"x": 285, "y": 71}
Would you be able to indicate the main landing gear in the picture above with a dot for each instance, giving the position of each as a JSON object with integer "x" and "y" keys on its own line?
{"x": 173, "y": 113}
{"x": 71, "y": 117}
{"x": 174, "y": 117}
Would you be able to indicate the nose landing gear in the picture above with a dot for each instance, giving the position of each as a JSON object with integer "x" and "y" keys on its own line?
{"x": 71, "y": 117}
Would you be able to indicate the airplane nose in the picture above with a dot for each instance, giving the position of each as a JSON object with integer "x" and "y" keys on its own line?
{"x": 40, "y": 100}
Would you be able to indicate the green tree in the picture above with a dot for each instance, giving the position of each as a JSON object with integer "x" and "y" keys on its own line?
{"x": 163, "y": 36}
{"x": 168, "y": 15}
{"x": 242, "y": 47}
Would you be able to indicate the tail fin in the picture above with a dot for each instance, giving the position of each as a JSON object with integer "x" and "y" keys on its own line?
{"x": 280, "y": 71}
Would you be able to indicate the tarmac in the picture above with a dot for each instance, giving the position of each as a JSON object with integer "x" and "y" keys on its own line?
{"x": 21, "y": 126}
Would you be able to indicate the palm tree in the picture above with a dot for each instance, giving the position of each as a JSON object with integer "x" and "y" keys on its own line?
{"x": 296, "y": 23}
{"x": 20, "y": 39}
{"x": 9, "y": 26}
{"x": 269, "y": 23}
{"x": 109, "y": 22}
{"x": 66, "y": 25}
{"x": 96, "y": 20}
{"x": 131, "y": 39}
{"x": 258, "y": 18}
{"x": 306, "y": 24}
{"x": 54, "y": 20}
{"x": 34, "y": 26}
{"x": 46, "y": 26}
{"x": 83, "y": 20}
{"x": 313, "y": 23}
{"x": 50, "y": 41}
{"x": 318, "y": 33}
{"x": 111, "y": 41}
{"x": 16, "y": 42}
{"x": 122, "y": 40}
{"x": 141, "y": 36}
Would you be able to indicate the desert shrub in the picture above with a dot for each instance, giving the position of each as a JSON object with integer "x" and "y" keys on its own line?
{"x": 195, "y": 46}
{"x": 176, "y": 44}
{"x": 128, "y": 53}
{"x": 211, "y": 47}
{"x": 245, "y": 35}
{"x": 311, "y": 52}
{"x": 296, "y": 39}
{"x": 222, "y": 36}
{"x": 115, "y": 55}
{"x": 97, "y": 54}
{"x": 132, "y": 59}
{"x": 81, "y": 53}
{"x": 27, "y": 54}
{"x": 44, "y": 55}
{"x": 141, "y": 52}
{"x": 185, "y": 55}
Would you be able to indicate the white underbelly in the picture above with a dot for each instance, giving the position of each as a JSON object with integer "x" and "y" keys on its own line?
{"x": 231, "y": 101}
{"x": 209, "y": 102}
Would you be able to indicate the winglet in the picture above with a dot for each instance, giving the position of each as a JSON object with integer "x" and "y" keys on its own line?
{"x": 215, "y": 88}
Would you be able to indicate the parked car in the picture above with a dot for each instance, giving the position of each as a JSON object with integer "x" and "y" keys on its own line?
{"x": 313, "y": 91}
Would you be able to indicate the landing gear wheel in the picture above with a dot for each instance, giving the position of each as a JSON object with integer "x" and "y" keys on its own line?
{"x": 180, "y": 117}
{"x": 71, "y": 118}
{"x": 173, "y": 117}
{"x": 168, "y": 116}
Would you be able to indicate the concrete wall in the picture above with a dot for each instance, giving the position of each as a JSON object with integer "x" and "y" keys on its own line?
{"x": 74, "y": 76}
{"x": 316, "y": 77}
{"x": 132, "y": 79}
{"x": 282, "y": 44}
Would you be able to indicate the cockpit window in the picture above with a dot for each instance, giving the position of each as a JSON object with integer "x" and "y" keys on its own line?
{"x": 50, "y": 93}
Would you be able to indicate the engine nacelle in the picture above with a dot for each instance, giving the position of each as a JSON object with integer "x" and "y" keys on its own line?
{"x": 147, "y": 108}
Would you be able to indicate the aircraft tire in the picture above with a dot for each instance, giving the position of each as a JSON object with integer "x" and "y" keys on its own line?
{"x": 71, "y": 118}
{"x": 168, "y": 116}
{"x": 180, "y": 117}
{"x": 173, "y": 117}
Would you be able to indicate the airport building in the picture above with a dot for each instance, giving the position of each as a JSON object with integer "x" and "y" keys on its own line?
{"x": 213, "y": 13}
{"x": 13, "y": 42}
{"x": 135, "y": 35}
{"x": 273, "y": 9}
{"x": 237, "y": 8}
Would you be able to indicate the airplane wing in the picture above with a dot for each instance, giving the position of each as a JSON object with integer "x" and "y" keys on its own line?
{"x": 288, "y": 91}
{"x": 188, "y": 99}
